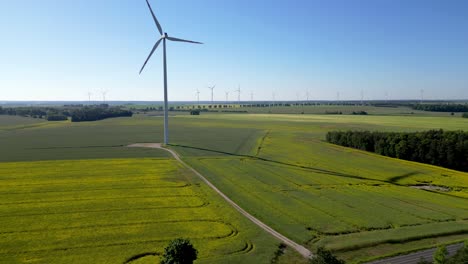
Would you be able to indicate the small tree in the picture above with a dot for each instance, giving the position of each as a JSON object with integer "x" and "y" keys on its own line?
{"x": 324, "y": 256}
{"x": 179, "y": 251}
{"x": 440, "y": 255}
{"x": 461, "y": 256}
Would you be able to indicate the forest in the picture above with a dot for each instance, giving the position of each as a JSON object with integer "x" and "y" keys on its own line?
{"x": 92, "y": 113}
{"x": 455, "y": 108}
{"x": 78, "y": 113}
{"x": 437, "y": 147}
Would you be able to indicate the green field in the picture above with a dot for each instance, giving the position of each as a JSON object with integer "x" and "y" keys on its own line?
{"x": 277, "y": 167}
{"x": 108, "y": 211}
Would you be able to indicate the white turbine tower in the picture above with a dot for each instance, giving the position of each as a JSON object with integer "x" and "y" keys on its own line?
{"x": 212, "y": 92}
{"x": 89, "y": 97}
{"x": 362, "y": 97}
{"x": 103, "y": 96}
{"x": 163, "y": 38}
{"x": 238, "y": 93}
{"x": 198, "y": 96}
{"x": 227, "y": 96}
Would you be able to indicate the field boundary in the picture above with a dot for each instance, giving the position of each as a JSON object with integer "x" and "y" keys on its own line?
{"x": 260, "y": 146}
{"x": 299, "y": 248}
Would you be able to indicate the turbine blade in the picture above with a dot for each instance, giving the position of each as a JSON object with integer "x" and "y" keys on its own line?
{"x": 183, "y": 40}
{"x": 155, "y": 19}
{"x": 151, "y": 54}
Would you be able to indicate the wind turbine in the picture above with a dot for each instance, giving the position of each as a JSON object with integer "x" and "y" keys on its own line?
{"x": 238, "y": 93}
{"x": 163, "y": 38}
{"x": 89, "y": 97}
{"x": 251, "y": 96}
{"x": 212, "y": 90}
{"x": 198, "y": 96}
{"x": 103, "y": 96}
{"x": 362, "y": 97}
{"x": 227, "y": 96}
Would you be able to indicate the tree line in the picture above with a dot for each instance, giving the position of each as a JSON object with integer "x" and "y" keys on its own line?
{"x": 455, "y": 108}
{"x": 437, "y": 147}
{"x": 77, "y": 113}
{"x": 26, "y": 111}
{"x": 93, "y": 113}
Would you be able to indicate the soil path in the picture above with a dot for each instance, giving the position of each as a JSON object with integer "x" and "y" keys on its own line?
{"x": 302, "y": 250}
{"x": 415, "y": 257}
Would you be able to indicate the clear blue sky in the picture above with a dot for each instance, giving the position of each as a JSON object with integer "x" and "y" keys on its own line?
{"x": 61, "y": 49}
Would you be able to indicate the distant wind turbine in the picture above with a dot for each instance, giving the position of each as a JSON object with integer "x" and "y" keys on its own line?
{"x": 89, "y": 97}
{"x": 251, "y": 96}
{"x": 227, "y": 96}
{"x": 104, "y": 96}
{"x": 238, "y": 93}
{"x": 212, "y": 92}
{"x": 362, "y": 97}
{"x": 198, "y": 96}
{"x": 163, "y": 38}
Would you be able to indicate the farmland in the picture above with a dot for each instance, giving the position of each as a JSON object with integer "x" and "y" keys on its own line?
{"x": 277, "y": 167}
{"x": 108, "y": 211}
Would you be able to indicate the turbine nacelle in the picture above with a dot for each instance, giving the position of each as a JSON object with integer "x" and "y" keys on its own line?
{"x": 164, "y": 36}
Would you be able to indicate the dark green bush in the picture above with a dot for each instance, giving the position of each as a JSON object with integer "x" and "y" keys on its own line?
{"x": 179, "y": 251}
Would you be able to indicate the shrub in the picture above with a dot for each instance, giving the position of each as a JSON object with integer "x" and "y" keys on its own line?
{"x": 324, "y": 256}
{"x": 440, "y": 255}
{"x": 179, "y": 251}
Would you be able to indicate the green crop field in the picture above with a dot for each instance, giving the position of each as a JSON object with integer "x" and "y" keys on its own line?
{"x": 277, "y": 167}
{"x": 109, "y": 211}
{"x": 344, "y": 199}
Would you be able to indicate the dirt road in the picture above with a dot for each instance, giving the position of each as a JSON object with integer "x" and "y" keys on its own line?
{"x": 302, "y": 250}
{"x": 415, "y": 257}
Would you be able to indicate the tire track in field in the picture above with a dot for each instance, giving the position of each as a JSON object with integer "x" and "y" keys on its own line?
{"x": 110, "y": 245}
{"x": 99, "y": 189}
{"x": 204, "y": 204}
{"x": 260, "y": 146}
{"x": 100, "y": 199}
{"x": 78, "y": 182}
{"x": 233, "y": 233}
{"x": 299, "y": 248}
